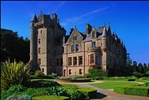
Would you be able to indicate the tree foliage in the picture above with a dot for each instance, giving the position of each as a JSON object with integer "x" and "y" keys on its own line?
{"x": 13, "y": 46}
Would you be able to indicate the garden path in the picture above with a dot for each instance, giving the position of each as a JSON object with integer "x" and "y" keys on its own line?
{"x": 109, "y": 94}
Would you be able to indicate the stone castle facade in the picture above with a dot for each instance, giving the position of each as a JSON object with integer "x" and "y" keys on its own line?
{"x": 52, "y": 51}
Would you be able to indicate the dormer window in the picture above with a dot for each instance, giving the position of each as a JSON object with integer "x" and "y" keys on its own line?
{"x": 75, "y": 38}
{"x": 93, "y": 44}
{"x": 93, "y": 35}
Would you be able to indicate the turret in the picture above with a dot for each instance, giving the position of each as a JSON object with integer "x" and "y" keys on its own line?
{"x": 33, "y": 43}
{"x": 104, "y": 39}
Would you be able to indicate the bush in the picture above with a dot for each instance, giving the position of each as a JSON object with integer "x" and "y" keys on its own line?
{"x": 132, "y": 90}
{"x": 137, "y": 74}
{"x": 73, "y": 94}
{"x": 18, "y": 97}
{"x": 13, "y": 90}
{"x": 146, "y": 84}
{"x": 38, "y": 73}
{"x": 55, "y": 91}
{"x": 35, "y": 91}
{"x": 96, "y": 74}
{"x": 42, "y": 83}
{"x": 13, "y": 74}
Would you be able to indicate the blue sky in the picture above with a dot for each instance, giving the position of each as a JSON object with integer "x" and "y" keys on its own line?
{"x": 129, "y": 19}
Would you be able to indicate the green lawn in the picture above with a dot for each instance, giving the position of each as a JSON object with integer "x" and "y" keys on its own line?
{"x": 112, "y": 84}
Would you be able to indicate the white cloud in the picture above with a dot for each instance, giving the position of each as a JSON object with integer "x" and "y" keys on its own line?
{"x": 78, "y": 19}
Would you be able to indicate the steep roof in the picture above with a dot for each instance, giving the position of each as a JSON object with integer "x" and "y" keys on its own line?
{"x": 34, "y": 19}
{"x": 88, "y": 38}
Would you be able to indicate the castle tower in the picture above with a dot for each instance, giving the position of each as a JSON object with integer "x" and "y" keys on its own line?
{"x": 46, "y": 43}
{"x": 33, "y": 44}
{"x": 104, "y": 49}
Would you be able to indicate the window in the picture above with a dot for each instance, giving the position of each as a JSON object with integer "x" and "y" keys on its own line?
{"x": 42, "y": 69}
{"x": 80, "y": 60}
{"x": 69, "y": 71}
{"x": 39, "y": 41}
{"x": 41, "y": 31}
{"x": 77, "y": 47}
{"x": 39, "y": 61}
{"x": 80, "y": 71}
{"x": 117, "y": 61}
{"x": 93, "y": 44}
{"x": 72, "y": 48}
{"x": 93, "y": 35}
{"x": 75, "y": 38}
{"x": 91, "y": 58}
{"x": 57, "y": 61}
{"x": 38, "y": 50}
{"x": 70, "y": 61}
{"x": 74, "y": 60}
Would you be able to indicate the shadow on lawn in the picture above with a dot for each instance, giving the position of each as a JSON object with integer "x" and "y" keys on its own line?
{"x": 99, "y": 96}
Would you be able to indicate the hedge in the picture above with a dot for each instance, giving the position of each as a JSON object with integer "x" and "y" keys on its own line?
{"x": 50, "y": 97}
{"x": 132, "y": 90}
{"x": 88, "y": 92}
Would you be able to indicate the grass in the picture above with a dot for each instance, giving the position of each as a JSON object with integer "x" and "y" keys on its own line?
{"x": 50, "y": 97}
{"x": 112, "y": 84}
{"x": 140, "y": 80}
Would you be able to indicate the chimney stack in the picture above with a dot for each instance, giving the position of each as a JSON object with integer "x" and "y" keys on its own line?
{"x": 88, "y": 28}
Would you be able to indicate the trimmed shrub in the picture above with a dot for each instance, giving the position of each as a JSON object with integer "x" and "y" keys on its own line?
{"x": 73, "y": 94}
{"x": 88, "y": 92}
{"x": 132, "y": 90}
{"x": 13, "y": 74}
{"x": 131, "y": 79}
{"x": 50, "y": 97}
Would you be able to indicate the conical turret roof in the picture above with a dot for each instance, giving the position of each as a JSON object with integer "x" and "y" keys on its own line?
{"x": 34, "y": 19}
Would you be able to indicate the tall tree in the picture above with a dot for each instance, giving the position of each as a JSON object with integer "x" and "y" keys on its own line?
{"x": 129, "y": 60}
{"x": 135, "y": 68}
{"x": 144, "y": 67}
{"x": 140, "y": 68}
{"x": 13, "y": 47}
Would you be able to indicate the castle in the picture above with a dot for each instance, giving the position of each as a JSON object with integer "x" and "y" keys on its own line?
{"x": 54, "y": 52}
